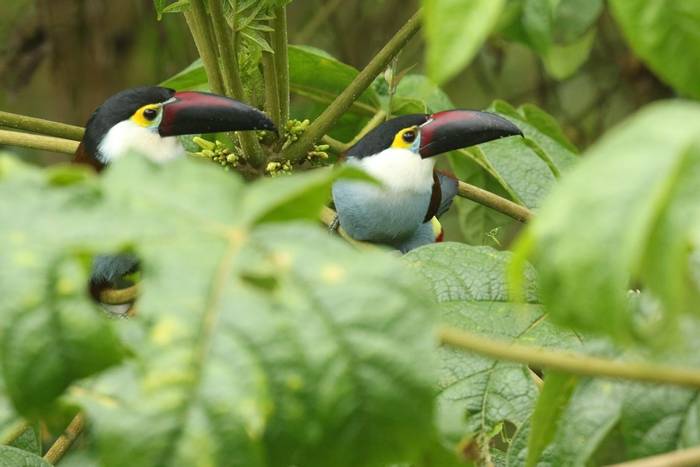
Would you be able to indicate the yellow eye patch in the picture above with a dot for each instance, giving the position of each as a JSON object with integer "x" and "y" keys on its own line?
{"x": 404, "y": 139}
{"x": 146, "y": 115}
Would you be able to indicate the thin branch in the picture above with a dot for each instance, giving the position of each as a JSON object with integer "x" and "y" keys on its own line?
{"x": 361, "y": 82}
{"x": 45, "y": 143}
{"x": 279, "y": 45}
{"x": 337, "y": 146}
{"x": 14, "y": 432}
{"x": 41, "y": 126}
{"x": 64, "y": 442}
{"x": 683, "y": 458}
{"x": 272, "y": 95}
{"x": 378, "y": 118}
{"x": 493, "y": 201}
{"x": 568, "y": 362}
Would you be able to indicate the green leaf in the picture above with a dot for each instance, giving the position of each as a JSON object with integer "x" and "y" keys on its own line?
{"x": 660, "y": 32}
{"x": 583, "y": 428}
{"x": 454, "y": 31}
{"x": 562, "y": 61}
{"x": 191, "y": 78}
{"x": 255, "y": 344}
{"x": 423, "y": 89}
{"x": 625, "y": 216}
{"x": 553, "y": 399}
{"x": 480, "y": 225}
{"x": 470, "y": 285}
{"x": 316, "y": 75}
{"x": 13, "y": 457}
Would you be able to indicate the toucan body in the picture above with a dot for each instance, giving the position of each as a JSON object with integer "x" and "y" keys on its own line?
{"x": 402, "y": 210}
{"x": 147, "y": 120}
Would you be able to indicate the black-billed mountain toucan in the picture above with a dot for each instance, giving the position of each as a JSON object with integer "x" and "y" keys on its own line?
{"x": 148, "y": 120}
{"x": 399, "y": 154}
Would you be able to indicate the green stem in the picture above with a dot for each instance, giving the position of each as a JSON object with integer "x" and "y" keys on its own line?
{"x": 337, "y": 146}
{"x": 45, "y": 143}
{"x": 373, "y": 123}
{"x": 272, "y": 95}
{"x": 495, "y": 202}
{"x": 682, "y": 458}
{"x": 567, "y": 362}
{"x": 279, "y": 45}
{"x": 225, "y": 40}
{"x": 361, "y": 82}
{"x": 41, "y": 126}
{"x": 59, "y": 448}
{"x": 14, "y": 431}
{"x": 196, "y": 18}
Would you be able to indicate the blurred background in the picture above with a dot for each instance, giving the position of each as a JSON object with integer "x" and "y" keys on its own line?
{"x": 59, "y": 59}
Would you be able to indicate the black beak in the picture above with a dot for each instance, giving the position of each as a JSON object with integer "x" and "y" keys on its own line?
{"x": 192, "y": 112}
{"x": 455, "y": 129}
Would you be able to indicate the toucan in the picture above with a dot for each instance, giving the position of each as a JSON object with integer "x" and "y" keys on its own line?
{"x": 402, "y": 210}
{"x": 147, "y": 120}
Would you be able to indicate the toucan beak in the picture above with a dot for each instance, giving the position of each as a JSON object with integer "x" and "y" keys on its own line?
{"x": 455, "y": 129}
{"x": 190, "y": 112}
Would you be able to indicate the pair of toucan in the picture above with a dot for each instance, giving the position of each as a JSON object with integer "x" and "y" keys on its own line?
{"x": 400, "y": 212}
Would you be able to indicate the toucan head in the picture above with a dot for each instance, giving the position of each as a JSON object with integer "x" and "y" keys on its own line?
{"x": 147, "y": 119}
{"x": 427, "y": 135}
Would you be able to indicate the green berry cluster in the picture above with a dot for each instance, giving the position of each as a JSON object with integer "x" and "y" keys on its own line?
{"x": 217, "y": 152}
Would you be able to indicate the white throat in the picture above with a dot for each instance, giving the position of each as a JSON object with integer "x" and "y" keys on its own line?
{"x": 399, "y": 170}
{"x": 128, "y": 136}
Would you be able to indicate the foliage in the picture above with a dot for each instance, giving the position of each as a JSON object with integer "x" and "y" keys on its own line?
{"x": 261, "y": 340}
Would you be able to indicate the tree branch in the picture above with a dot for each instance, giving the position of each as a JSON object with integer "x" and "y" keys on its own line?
{"x": 119, "y": 296}
{"x": 196, "y": 18}
{"x": 45, "y": 143}
{"x": 361, "y": 82}
{"x": 495, "y": 202}
{"x": 41, "y": 126}
{"x": 567, "y": 362}
{"x": 64, "y": 442}
{"x": 683, "y": 458}
{"x": 14, "y": 432}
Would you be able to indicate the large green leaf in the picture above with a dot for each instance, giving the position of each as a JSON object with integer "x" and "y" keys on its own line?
{"x": 666, "y": 35}
{"x": 316, "y": 75}
{"x": 625, "y": 216}
{"x": 256, "y": 342}
{"x": 13, "y": 457}
{"x": 454, "y": 31}
{"x": 470, "y": 285}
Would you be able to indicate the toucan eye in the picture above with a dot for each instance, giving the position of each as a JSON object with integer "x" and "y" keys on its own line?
{"x": 409, "y": 136}
{"x": 150, "y": 114}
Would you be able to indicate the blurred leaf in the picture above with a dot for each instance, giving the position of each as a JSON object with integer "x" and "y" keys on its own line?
{"x": 298, "y": 197}
{"x": 454, "y": 31}
{"x": 661, "y": 32}
{"x": 625, "y": 215}
{"x": 562, "y": 61}
{"x": 191, "y": 78}
{"x": 13, "y": 457}
{"x": 554, "y": 397}
{"x": 29, "y": 440}
{"x": 470, "y": 285}
{"x": 325, "y": 359}
{"x": 561, "y": 32}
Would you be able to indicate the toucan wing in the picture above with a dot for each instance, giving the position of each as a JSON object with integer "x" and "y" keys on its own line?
{"x": 445, "y": 188}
